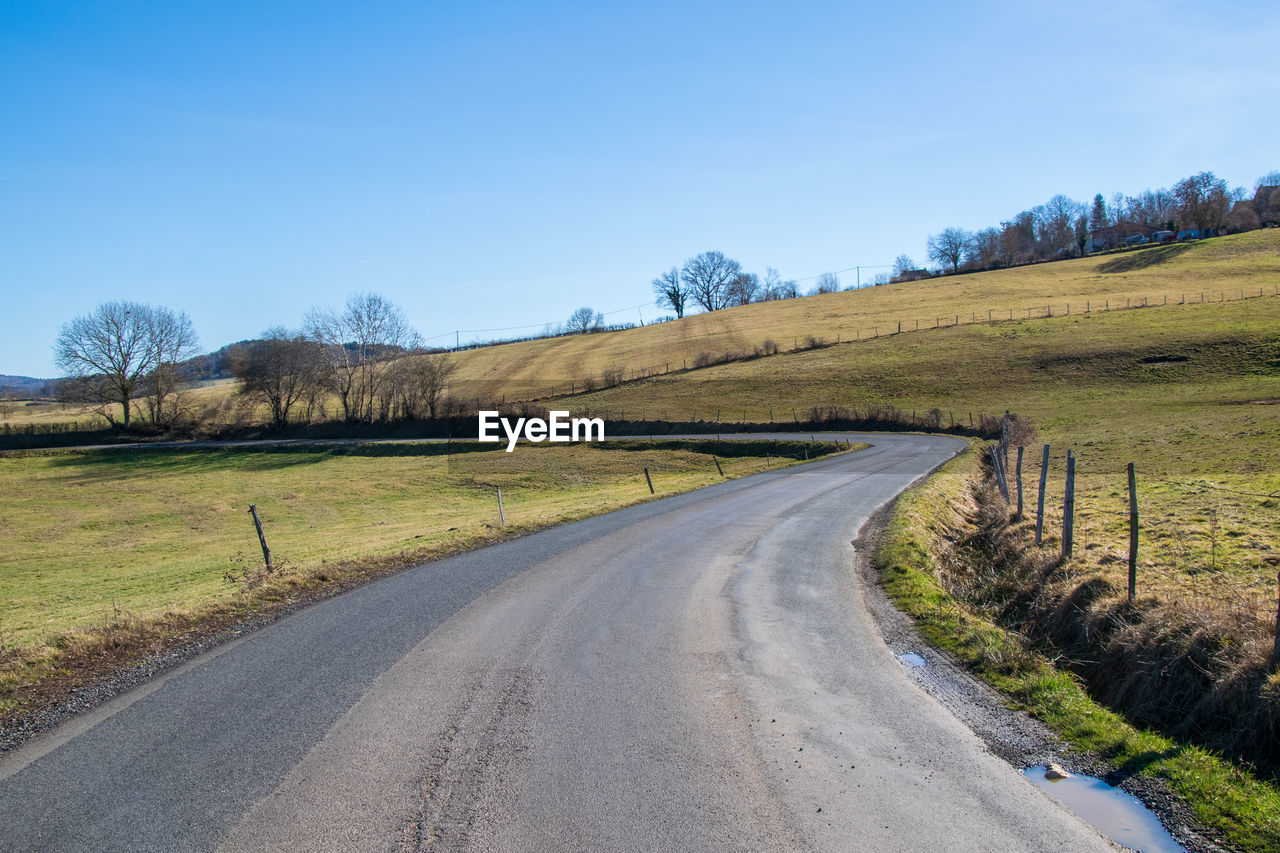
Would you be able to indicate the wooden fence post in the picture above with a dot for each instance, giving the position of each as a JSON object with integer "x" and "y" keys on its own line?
{"x": 1018, "y": 477}
{"x": 718, "y": 468}
{"x": 502, "y": 515}
{"x": 1069, "y": 507}
{"x": 649, "y": 480}
{"x": 998, "y": 469}
{"x": 262, "y": 539}
{"x": 1044, "y": 479}
{"x": 1133, "y": 534}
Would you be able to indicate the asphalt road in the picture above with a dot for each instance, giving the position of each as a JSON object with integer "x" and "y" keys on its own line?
{"x": 696, "y": 673}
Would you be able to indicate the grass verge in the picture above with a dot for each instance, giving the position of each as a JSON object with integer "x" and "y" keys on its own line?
{"x": 113, "y": 556}
{"x": 1231, "y": 802}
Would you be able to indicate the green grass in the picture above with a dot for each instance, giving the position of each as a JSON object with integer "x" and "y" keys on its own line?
{"x": 1202, "y": 432}
{"x": 1244, "y": 810}
{"x": 93, "y": 534}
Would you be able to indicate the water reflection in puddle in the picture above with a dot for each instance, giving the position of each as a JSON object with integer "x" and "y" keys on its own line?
{"x": 1118, "y": 815}
{"x": 911, "y": 659}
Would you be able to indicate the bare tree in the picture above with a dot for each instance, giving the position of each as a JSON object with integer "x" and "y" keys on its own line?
{"x": 708, "y": 276}
{"x": 119, "y": 350}
{"x": 173, "y": 340}
{"x": 744, "y": 289}
{"x": 584, "y": 320}
{"x": 672, "y": 292}
{"x": 773, "y": 288}
{"x": 415, "y": 386}
{"x": 1057, "y": 226}
{"x": 279, "y": 370}
{"x": 828, "y": 282}
{"x": 902, "y": 264}
{"x": 949, "y": 247}
{"x": 1203, "y": 201}
{"x": 369, "y": 331}
{"x": 1270, "y": 179}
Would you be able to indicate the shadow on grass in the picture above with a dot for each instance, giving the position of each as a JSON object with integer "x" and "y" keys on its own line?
{"x": 1144, "y": 258}
{"x": 197, "y": 460}
{"x": 1138, "y": 763}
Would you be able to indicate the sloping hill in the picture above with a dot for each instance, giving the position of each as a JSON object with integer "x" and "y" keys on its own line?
{"x": 1223, "y": 268}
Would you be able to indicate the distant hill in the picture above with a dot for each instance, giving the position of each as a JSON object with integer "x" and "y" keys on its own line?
{"x": 26, "y": 386}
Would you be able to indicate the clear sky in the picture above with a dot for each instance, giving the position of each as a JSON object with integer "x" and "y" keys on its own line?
{"x": 493, "y": 165}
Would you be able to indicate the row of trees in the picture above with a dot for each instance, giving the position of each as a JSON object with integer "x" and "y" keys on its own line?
{"x": 128, "y": 358}
{"x": 1061, "y": 226}
{"x": 712, "y": 281}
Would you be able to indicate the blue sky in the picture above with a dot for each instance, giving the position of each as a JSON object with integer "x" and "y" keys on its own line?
{"x": 492, "y": 165}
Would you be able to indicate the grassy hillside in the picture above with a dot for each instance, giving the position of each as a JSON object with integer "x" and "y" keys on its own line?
{"x": 1189, "y": 393}
{"x": 1221, "y": 268}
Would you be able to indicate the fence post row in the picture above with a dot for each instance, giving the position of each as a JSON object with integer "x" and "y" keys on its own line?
{"x": 262, "y": 539}
{"x": 1069, "y": 506}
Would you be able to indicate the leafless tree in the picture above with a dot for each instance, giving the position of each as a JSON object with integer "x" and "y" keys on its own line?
{"x": 1270, "y": 179}
{"x": 1203, "y": 201}
{"x": 949, "y": 247}
{"x": 744, "y": 289}
{"x": 1058, "y": 233}
{"x": 1153, "y": 208}
{"x": 280, "y": 370}
{"x": 828, "y": 282}
{"x": 415, "y": 386}
{"x": 773, "y": 288}
{"x": 902, "y": 264}
{"x": 173, "y": 340}
{"x": 358, "y": 340}
{"x": 671, "y": 291}
{"x": 584, "y": 320}
{"x": 985, "y": 248}
{"x": 120, "y": 350}
{"x": 708, "y": 276}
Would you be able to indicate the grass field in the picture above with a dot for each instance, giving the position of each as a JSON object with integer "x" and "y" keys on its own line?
{"x": 96, "y": 537}
{"x": 1190, "y": 394}
{"x": 1219, "y": 268}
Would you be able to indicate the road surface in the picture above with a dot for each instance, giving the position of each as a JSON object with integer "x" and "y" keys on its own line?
{"x": 696, "y": 673}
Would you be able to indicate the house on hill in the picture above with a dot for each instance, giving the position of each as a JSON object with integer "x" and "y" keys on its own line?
{"x": 1120, "y": 234}
{"x": 910, "y": 275}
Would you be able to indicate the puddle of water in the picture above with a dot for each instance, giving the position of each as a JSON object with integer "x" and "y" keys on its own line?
{"x": 1118, "y": 815}
{"x": 912, "y": 659}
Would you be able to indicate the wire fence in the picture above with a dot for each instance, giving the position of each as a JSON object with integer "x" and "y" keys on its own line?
{"x": 874, "y": 329}
{"x": 1195, "y": 543}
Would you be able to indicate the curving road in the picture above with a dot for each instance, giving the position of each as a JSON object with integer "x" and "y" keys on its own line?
{"x": 696, "y": 673}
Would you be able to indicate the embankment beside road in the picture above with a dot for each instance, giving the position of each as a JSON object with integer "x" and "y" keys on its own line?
{"x": 952, "y": 560}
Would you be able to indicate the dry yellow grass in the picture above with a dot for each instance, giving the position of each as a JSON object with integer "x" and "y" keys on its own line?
{"x": 1216, "y": 268}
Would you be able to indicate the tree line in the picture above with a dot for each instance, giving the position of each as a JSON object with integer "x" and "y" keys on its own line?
{"x": 132, "y": 362}
{"x": 1061, "y": 226}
